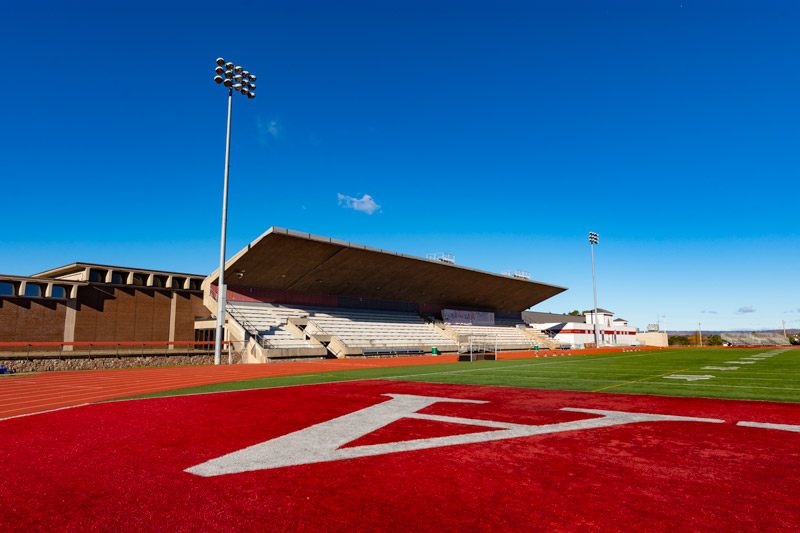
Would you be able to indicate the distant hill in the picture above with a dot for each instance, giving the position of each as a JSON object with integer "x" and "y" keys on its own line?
{"x": 789, "y": 331}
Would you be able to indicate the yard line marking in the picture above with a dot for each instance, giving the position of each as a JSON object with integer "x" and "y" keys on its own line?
{"x": 638, "y": 380}
{"x": 720, "y": 368}
{"x": 701, "y": 385}
{"x": 689, "y": 378}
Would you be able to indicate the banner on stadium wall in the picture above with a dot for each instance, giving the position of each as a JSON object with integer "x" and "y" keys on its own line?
{"x": 471, "y": 318}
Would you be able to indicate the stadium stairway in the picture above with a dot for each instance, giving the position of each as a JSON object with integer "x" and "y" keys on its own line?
{"x": 539, "y": 338}
{"x": 268, "y": 332}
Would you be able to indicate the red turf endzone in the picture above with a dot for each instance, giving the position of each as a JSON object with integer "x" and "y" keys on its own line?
{"x": 121, "y": 465}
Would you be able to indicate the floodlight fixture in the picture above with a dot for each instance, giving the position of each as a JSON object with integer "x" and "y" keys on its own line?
{"x": 252, "y": 77}
{"x": 235, "y": 78}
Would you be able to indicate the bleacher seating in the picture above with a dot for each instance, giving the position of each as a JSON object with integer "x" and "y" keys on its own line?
{"x": 269, "y": 321}
{"x": 376, "y": 329}
{"x": 758, "y": 339}
{"x": 505, "y": 331}
{"x": 364, "y": 331}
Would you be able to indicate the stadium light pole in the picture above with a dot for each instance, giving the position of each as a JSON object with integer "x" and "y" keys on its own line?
{"x": 593, "y": 239}
{"x": 235, "y": 79}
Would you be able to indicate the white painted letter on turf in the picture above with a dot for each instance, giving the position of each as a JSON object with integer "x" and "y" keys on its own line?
{"x": 322, "y": 442}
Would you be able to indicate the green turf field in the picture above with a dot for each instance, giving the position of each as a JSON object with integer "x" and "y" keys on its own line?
{"x": 747, "y": 374}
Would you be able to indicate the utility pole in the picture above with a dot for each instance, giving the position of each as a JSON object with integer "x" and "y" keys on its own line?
{"x": 784, "y": 327}
{"x": 699, "y": 334}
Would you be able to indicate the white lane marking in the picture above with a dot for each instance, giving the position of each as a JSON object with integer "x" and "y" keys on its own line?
{"x": 782, "y": 427}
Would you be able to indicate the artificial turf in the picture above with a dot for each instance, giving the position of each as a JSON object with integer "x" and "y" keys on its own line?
{"x": 774, "y": 378}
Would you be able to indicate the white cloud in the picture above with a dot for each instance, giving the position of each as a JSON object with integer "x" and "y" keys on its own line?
{"x": 267, "y": 129}
{"x": 746, "y": 309}
{"x": 709, "y": 312}
{"x": 365, "y": 204}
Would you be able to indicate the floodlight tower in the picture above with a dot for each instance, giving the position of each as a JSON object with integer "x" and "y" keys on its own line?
{"x": 593, "y": 239}
{"x": 235, "y": 79}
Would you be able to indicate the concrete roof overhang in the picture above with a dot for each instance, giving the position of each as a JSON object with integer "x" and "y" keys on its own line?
{"x": 287, "y": 260}
{"x": 81, "y": 267}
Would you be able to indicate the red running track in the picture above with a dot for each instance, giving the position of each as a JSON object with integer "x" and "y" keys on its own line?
{"x": 55, "y": 390}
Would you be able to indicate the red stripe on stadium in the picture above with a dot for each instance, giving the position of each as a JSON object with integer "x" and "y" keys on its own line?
{"x": 122, "y": 466}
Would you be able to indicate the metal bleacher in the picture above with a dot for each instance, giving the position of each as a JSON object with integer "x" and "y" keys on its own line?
{"x": 755, "y": 339}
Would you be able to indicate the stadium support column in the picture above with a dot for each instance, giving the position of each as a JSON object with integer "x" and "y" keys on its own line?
{"x": 234, "y": 78}
{"x": 593, "y": 239}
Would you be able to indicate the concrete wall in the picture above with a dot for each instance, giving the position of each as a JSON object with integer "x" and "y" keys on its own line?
{"x": 653, "y": 339}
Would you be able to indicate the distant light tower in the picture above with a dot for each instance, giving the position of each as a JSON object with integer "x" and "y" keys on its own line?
{"x": 593, "y": 239}
{"x": 239, "y": 80}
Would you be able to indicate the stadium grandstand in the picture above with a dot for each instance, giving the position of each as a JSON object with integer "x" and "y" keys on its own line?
{"x": 294, "y": 296}
{"x": 298, "y": 295}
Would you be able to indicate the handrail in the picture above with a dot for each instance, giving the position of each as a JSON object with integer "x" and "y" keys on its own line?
{"x": 104, "y": 343}
{"x": 239, "y": 317}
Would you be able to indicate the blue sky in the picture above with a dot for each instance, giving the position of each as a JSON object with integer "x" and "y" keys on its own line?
{"x": 500, "y": 132}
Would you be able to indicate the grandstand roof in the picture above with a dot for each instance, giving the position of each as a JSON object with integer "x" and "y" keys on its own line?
{"x": 287, "y": 260}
